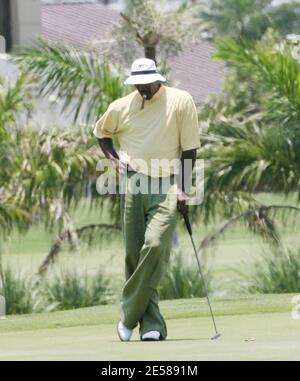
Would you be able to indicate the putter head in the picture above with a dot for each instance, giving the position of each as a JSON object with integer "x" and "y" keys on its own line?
{"x": 216, "y": 336}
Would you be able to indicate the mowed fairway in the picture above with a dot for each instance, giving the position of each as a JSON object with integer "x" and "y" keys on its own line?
{"x": 253, "y": 328}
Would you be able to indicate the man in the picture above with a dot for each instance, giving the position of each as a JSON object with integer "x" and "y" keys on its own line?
{"x": 156, "y": 125}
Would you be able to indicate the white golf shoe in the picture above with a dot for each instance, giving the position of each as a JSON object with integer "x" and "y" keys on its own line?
{"x": 124, "y": 332}
{"x": 151, "y": 336}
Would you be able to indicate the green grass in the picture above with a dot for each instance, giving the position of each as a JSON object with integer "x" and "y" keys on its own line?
{"x": 90, "y": 333}
{"x": 276, "y": 337}
{"x": 171, "y": 309}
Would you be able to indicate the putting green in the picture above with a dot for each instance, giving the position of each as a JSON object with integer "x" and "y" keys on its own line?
{"x": 253, "y": 328}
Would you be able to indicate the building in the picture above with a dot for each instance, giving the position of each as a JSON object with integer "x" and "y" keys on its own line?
{"x": 19, "y": 21}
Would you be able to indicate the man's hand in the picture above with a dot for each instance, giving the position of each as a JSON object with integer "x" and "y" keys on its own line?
{"x": 120, "y": 167}
{"x": 185, "y": 173}
{"x": 182, "y": 198}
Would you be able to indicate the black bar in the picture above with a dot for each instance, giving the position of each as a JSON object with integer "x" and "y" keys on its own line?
{"x": 5, "y": 23}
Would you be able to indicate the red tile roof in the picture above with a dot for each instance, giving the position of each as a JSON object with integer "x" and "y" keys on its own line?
{"x": 193, "y": 70}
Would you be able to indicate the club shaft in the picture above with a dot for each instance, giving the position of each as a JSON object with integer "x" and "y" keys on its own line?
{"x": 204, "y": 284}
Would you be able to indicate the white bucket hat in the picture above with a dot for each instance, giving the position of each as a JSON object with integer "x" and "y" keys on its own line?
{"x": 143, "y": 71}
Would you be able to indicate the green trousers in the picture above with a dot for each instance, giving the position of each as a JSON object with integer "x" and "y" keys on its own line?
{"x": 148, "y": 219}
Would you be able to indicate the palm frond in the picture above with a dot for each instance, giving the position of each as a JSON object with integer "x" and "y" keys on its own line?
{"x": 73, "y": 236}
{"x": 274, "y": 65}
{"x": 81, "y": 81}
{"x": 244, "y": 156}
{"x": 15, "y": 100}
{"x": 260, "y": 221}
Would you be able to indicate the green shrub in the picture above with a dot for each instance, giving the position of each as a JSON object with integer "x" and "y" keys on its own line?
{"x": 182, "y": 279}
{"x": 30, "y": 294}
{"x": 21, "y": 293}
{"x": 73, "y": 290}
{"x": 277, "y": 272}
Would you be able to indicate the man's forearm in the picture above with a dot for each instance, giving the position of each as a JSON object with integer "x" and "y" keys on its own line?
{"x": 106, "y": 144}
{"x": 188, "y": 159}
{"x": 107, "y": 147}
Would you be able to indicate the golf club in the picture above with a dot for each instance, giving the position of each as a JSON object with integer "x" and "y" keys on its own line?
{"x": 189, "y": 229}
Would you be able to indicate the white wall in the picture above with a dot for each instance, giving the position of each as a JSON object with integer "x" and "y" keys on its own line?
{"x": 25, "y": 16}
{"x": 46, "y": 113}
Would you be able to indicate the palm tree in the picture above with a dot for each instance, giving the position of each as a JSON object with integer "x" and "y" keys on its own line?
{"x": 81, "y": 80}
{"x": 146, "y": 29}
{"x": 13, "y": 101}
{"x": 255, "y": 148}
{"x": 44, "y": 174}
{"x": 247, "y": 18}
{"x": 85, "y": 84}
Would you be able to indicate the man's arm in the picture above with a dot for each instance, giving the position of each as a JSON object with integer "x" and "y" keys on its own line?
{"x": 188, "y": 159}
{"x": 106, "y": 144}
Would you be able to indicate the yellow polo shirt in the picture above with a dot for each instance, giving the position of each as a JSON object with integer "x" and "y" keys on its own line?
{"x": 150, "y": 138}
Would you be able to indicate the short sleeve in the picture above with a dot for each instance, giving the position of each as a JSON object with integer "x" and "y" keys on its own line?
{"x": 107, "y": 125}
{"x": 189, "y": 127}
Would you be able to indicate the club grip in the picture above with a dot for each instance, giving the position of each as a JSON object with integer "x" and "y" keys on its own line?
{"x": 187, "y": 223}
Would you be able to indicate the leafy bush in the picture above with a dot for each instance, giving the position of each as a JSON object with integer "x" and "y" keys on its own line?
{"x": 278, "y": 272}
{"x": 20, "y": 293}
{"x": 73, "y": 290}
{"x": 30, "y": 294}
{"x": 182, "y": 279}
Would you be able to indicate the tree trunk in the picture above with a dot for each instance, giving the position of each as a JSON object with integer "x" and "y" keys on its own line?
{"x": 150, "y": 52}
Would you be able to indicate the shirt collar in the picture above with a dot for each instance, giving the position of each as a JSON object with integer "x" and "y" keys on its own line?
{"x": 158, "y": 94}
